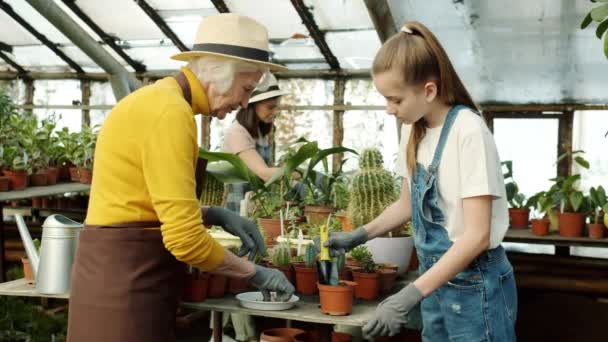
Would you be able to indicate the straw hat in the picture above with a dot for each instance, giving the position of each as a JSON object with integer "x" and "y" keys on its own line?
{"x": 268, "y": 88}
{"x": 233, "y": 36}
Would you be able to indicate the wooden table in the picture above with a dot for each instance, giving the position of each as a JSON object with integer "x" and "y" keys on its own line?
{"x": 562, "y": 244}
{"x": 306, "y": 310}
{"x": 36, "y": 191}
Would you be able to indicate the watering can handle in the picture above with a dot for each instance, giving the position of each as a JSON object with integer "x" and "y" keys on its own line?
{"x": 324, "y": 236}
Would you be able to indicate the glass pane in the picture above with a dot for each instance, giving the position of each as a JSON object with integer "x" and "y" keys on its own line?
{"x": 266, "y": 13}
{"x": 307, "y": 66}
{"x": 57, "y": 92}
{"x": 312, "y": 125}
{"x": 81, "y": 59}
{"x": 303, "y": 49}
{"x": 98, "y": 116}
{"x": 70, "y": 118}
{"x": 191, "y": 5}
{"x": 307, "y": 92}
{"x": 532, "y": 167}
{"x": 102, "y": 94}
{"x": 39, "y": 58}
{"x": 13, "y": 33}
{"x": 362, "y": 92}
{"x": 15, "y": 89}
{"x": 125, "y": 19}
{"x": 156, "y": 57}
{"x": 363, "y": 129}
{"x": 353, "y": 14}
{"x": 354, "y": 50}
{"x": 29, "y": 14}
{"x": 218, "y": 130}
{"x": 588, "y": 133}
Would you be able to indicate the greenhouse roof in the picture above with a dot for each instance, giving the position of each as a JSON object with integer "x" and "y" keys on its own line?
{"x": 517, "y": 52}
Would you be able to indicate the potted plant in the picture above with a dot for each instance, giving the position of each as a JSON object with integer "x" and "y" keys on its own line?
{"x": 69, "y": 146}
{"x": 306, "y": 273}
{"x": 337, "y": 300}
{"x": 196, "y": 284}
{"x": 519, "y": 212}
{"x": 280, "y": 256}
{"x": 367, "y": 279}
{"x": 5, "y": 182}
{"x": 342, "y": 197}
{"x": 599, "y": 204}
{"x": 84, "y": 160}
{"x": 540, "y": 225}
{"x": 17, "y": 167}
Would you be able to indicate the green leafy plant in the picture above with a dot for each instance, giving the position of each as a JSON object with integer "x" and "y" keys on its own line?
{"x": 368, "y": 265}
{"x": 360, "y": 253}
{"x": 371, "y": 190}
{"x": 599, "y": 204}
{"x": 598, "y": 14}
{"x": 564, "y": 192}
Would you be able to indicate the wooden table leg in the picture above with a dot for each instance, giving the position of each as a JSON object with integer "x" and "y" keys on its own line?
{"x": 217, "y": 326}
{"x": 2, "y": 252}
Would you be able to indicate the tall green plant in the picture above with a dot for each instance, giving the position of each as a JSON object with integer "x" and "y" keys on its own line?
{"x": 598, "y": 203}
{"x": 598, "y": 14}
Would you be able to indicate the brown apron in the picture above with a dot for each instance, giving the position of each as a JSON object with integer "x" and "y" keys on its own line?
{"x": 125, "y": 285}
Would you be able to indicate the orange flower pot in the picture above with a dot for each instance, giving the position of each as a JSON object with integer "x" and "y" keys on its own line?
{"x": 387, "y": 280}
{"x": 519, "y": 218}
{"x": 571, "y": 224}
{"x": 52, "y": 175}
{"x": 317, "y": 213}
{"x": 368, "y": 285}
{"x": 19, "y": 179}
{"x": 540, "y": 227}
{"x": 306, "y": 280}
{"x": 217, "y": 285}
{"x": 337, "y": 300}
{"x": 195, "y": 287}
{"x": 596, "y": 230}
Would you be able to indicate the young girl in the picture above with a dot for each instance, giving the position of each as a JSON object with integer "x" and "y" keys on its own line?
{"x": 453, "y": 192}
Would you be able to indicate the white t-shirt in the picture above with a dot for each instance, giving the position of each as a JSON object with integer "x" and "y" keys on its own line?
{"x": 238, "y": 139}
{"x": 469, "y": 167}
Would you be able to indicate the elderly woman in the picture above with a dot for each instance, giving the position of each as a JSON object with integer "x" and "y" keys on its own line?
{"x": 143, "y": 223}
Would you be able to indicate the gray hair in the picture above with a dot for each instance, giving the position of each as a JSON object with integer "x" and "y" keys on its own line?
{"x": 221, "y": 71}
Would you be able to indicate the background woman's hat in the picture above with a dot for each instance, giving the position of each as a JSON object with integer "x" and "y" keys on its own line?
{"x": 268, "y": 88}
{"x": 233, "y": 36}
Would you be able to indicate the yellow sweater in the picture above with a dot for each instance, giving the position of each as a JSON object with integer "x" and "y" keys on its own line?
{"x": 144, "y": 169}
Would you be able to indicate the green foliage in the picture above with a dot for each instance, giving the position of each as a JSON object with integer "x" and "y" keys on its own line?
{"x": 280, "y": 255}
{"x": 565, "y": 192}
{"x": 371, "y": 190}
{"x": 598, "y": 201}
{"x": 598, "y": 14}
{"x": 20, "y": 320}
{"x": 310, "y": 255}
{"x": 213, "y": 191}
{"x": 360, "y": 253}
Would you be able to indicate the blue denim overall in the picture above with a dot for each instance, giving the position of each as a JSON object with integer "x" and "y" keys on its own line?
{"x": 479, "y": 303}
{"x": 236, "y": 192}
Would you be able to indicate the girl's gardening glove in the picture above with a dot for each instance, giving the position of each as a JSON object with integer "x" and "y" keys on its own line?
{"x": 269, "y": 279}
{"x": 391, "y": 315}
{"x": 341, "y": 242}
{"x": 246, "y": 230}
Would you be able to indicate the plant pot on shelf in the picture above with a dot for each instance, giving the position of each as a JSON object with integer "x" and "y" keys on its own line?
{"x": 596, "y": 230}
{"x": 39, "y": 178}
{"x": 345, "y": 222}
{"x": 85, "y": 175}
{"x": 392, "y": 250}
{"x": 195, "y": 287}
{"x": 287, "y": 271}
{"x": 519, "y": 218}
{"x": 281, "y": 335}
{"x": 5, "y": 183}
{"x": 74, "y": 176}
{"x": 28, "y": 275}
{"x": 346, "y": 274}
{"x": 540, "y": 227}
{"x": 272, "y": 229}
{"x": 387, "y": 280}
{"x": 19, "y": 179}
{"x": 217, "y": 285}
{"x": 318, "y": 213}
{"x": 368, "y": 285}
{"x": 306, "y": 280}
{"x": 37, "y": 202}
{"x": 340, "y": 337}
{"x": 571, "y": 224}
{"x": 52, "y": 175}
{"x": 236, "y": 285}
{"x": 337, "y": 300}
{"x": 64, "y": 173}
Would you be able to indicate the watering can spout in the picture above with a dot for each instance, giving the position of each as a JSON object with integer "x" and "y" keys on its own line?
{"x": 30, "y": 249}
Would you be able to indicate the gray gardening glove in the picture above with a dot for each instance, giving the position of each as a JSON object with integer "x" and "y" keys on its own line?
{"x": 269, "y": 279}
{"x": 341, "y": 242}
{"x": 246, "y": 230}
{"x": 391, "y": 315}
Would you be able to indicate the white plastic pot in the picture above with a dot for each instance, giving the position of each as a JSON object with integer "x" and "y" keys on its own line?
{"x": 397, "y": 250}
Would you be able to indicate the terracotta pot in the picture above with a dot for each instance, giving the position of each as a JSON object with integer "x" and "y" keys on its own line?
{"x": 272, "y": 229}
{"x": 86, "y": 176}
{"x": 571, "y": 224}
{"x": 394, "y": 267}
{"x": 281, "y": 335}
{"x": 414, "y": 263}
{"x": 64, "y": 173}
{"x": 49, "y": 203}
{"x": 596, "y": 230}
{"x": 368, "y": 285}
{"x": 317, "y": 213}
{"x": 19, "y": 179}
{"x": 37, "y": 202}
{"x": 346, "y": 274}
{"x": 337, "y": 300}
{"x": 28, "y": 275}
{"x": 340, "y": 337}
{"x": 345, "y": 222}
{"x": 387, "y": 280}
{"x": 519, "y": 218}
{"x": 39, "y": 178}
{"x": 52, "y": 174}
{"x": 74, "y": 176}
{"x": 217, "y": 285}
{"x": 306, "y": 280}
{"x": 540, "y": 227}
{"x": 5, "y": 183}
{"x": 287, "y": 271}
{"x": 236, "y": 286}
{"x": 350, "y": 262}
{"x": 195, "y": 289}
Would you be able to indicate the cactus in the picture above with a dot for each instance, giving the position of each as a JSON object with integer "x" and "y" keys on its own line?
{"x": 280, "y": 255}
{"x": 310, "y": 256}
{"x": 372, "y": 189}
{"x": 213, "y": 191}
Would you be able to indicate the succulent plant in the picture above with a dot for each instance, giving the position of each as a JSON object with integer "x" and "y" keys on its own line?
{"x": 280, "y": 255}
